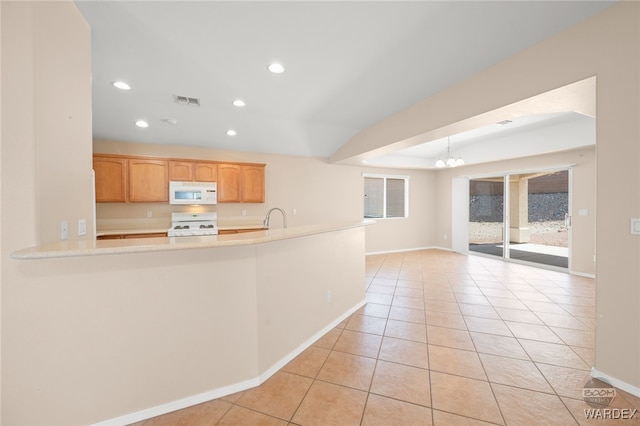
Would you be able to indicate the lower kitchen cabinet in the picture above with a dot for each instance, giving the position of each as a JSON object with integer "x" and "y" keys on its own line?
{"x": 153, "y": 235}
{"x": 127, "y": 236}
{"x": 239, "y": 231}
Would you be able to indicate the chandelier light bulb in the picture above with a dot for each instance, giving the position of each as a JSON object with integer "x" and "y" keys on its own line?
{"x": 450, "y": 161}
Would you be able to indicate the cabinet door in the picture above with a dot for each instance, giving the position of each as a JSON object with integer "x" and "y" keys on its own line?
{"x": 148, "y": 180}
{"x": 180, "y": 170}
{"x": 253, "y": 184}
{"x": 111, "y": 179}
{"x": 229, "y": 183}
{"x": 205, "y": 172}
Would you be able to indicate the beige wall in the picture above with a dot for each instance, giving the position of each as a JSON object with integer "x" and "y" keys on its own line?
{"x": 46, "y": 177}
{"x": 606, "y": 46}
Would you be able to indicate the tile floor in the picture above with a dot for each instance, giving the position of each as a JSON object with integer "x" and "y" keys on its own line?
{"x": 444, "y": 339}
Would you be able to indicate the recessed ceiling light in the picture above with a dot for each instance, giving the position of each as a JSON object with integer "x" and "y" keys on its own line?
{"x": 239, "y": 103}
{"x": 121, "y": 85}
{"x": 276, "y": 68}
{"x": 142, "y": 123}
{"x": 231, "y": 132}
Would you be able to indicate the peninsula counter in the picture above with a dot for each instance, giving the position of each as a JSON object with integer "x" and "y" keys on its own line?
{"x": 144, "y": 327}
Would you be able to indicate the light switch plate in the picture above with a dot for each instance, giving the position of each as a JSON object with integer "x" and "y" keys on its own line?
{"x": 635, "y": 226}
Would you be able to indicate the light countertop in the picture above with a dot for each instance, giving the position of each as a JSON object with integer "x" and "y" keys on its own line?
{"x": 78, "y": 248}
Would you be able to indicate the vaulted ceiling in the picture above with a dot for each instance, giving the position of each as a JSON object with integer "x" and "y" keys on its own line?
{"x": 347, "y": 66}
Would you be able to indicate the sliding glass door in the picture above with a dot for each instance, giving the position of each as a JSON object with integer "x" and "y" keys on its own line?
{"x": 486, "y": 215}
{"x": 522, "y": 216}
{"x": 539, "y": 221}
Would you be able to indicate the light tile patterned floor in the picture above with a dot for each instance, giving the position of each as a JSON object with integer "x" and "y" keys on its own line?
{"x": 444, "y": 339}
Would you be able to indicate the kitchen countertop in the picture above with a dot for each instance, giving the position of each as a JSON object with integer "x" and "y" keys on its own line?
{"x": 131, "y": 231}
{"x": 78, "y": 248}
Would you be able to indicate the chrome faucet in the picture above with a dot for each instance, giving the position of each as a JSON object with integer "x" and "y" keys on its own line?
{"x": 265, "y": 223}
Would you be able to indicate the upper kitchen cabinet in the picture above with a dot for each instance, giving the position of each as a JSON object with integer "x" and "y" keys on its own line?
{"x": 148, "y": 181}
{"x": 181, "y": 170}
{"x": 135, "y": 179}
{"x": 241, "y": 183}
{"x": 111, "y": 179}
{"x": 193, "y": 171}
{"x": 205, "y": 172}
{"x": 229, "y": 183}
{"x": 252, "y": 184}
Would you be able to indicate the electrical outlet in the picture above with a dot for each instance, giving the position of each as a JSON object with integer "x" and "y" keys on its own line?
{"x": 329, "y": 297}
{"x": 149, "y": 213}
{"x": 64, "y": 230}
{"x": 82, "y": 227}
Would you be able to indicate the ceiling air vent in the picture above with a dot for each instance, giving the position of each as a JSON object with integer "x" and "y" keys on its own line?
{"x": 185, "y": 100}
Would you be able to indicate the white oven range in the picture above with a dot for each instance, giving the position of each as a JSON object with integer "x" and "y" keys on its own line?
{"x": 193, "y": 224}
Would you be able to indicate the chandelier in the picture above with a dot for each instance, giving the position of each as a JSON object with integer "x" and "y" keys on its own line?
{"x": 450, "y": 160}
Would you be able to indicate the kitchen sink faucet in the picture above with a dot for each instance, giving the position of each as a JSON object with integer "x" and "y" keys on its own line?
{"x": 265, "y": 223}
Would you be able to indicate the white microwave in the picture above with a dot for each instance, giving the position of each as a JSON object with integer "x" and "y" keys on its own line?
{"x": 192, "y": 192}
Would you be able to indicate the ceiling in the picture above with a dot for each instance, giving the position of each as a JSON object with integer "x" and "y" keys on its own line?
{"x": 347, "y": 65}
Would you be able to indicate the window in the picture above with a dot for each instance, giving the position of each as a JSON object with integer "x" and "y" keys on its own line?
{"x": 386, "y": 196}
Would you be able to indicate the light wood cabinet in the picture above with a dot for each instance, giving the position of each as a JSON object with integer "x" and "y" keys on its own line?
{"x": 127, "y": 236}
{"x": 193, "y": 171}
{"x": 129, "y": 179}
{"x": 239, "y": 231}
{"x": 205, "y": 172}
{"x": 229, "y": 183}
{"x": 145, "y": 235}
{"x": 181, "y": 170}
{"x": 148, "y": 181}
{"x": 240, "y": 183}
{"x": 252, "y": 184}
{"x": 110, "y": 179}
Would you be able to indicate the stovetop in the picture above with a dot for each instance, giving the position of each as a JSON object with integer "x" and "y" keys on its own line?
{"x": 189, "y": 224}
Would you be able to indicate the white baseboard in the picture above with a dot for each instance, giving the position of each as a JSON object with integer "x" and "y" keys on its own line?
{"x": 401, "y": 250}
{"x": 285, "y": 360}
{"x": 190, "y": 401}
{"x": 583, "y": 274}
{"x": 633, "y": 390}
